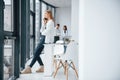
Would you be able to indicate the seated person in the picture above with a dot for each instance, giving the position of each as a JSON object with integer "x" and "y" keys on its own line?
{"x": 65, "y": 31}
{"x": 57, "y": 33}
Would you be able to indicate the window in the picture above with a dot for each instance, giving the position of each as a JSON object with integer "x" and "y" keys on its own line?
{"x": 31, "y": 25}
{"x": 53, "y": 12}
{"x": 8, "y": 59}
{"x": 44, "y": 8}
{"x": 11, "y": 60}
{"x": 37, "y": 22}
{"x": 8, "y": 16}
{"x": 32, "y": 5}
{"x": 31, "y": 36}
{"x": 49, "y": 7}
{"x": 32, "y": 28}
{"x": 8, "y": 62}
{"x": 31, "y": 47}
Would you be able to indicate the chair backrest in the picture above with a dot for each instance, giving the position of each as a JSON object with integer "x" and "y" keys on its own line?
{"x": 59, "y": 47}
{"x": 70, "y": 53}
{"x": 60, "y": 42}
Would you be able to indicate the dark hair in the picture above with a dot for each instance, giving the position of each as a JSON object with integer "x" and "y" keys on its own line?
{"x": 58, "y": 24}
{"x": 65, "y": 27}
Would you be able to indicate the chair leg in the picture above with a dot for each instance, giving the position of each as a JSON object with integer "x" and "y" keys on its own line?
{"x": 65, "y": 64}
{"x": 62, "y": 64}
{"x": 55, "y": 64}
{"x": 66, "y": 72}
{"x": 75, "y": 69}
{"x": 57, "y": 69}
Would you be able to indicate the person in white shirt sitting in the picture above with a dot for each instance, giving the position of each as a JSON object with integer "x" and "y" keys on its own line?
{"x": 65, "y": 31}
{"x": 64, "y": 35}
{"x": 57, "y": 30}
{"x": 57, "y": 33}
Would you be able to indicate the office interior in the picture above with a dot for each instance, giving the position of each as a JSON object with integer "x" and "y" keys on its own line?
{"x": 93, "y": 24}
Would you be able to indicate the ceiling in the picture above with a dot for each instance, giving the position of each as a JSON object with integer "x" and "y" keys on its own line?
{"x": 59, "y": 3}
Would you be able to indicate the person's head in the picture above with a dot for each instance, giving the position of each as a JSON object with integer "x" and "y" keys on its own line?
{"x": 64, "y": 27}
{"x": 45, "y": 20}
{"x": 48, "y": 14}
{"x": 57, "y": 26}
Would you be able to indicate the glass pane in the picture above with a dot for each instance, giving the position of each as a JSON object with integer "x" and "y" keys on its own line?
{"x": 31, "y": 47}
{"x": 32, "y": 5}
{"x": 44, "y": 8}
{"x": 37, "y": 22}
{"x": 8, "y": 16}
{"x": 8, "y": 59}
{"x": 49, "y": 8}
{"x": 31, "y": 25}
{"x": 53, "y": 12}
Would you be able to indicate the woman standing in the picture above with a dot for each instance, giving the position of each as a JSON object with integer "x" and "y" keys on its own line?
{"x": 47, "y": 36}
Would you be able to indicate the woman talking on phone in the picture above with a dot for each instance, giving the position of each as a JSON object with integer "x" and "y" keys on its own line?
{"x": 47, "y": 36}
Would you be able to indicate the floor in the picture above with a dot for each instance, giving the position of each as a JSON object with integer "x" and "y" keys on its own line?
{"x": 40, "y": 76}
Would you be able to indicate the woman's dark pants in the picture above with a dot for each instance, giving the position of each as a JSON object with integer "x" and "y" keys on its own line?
{"x": 37, "y": 52}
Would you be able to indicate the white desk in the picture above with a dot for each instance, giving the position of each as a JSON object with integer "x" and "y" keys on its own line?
{"x": 48, "y": 62}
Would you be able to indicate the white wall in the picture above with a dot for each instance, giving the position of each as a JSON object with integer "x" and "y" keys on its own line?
{"x": 99, "y": 39}
{"x": 75, "y": 29}
{"x": 75, "y": 19}
{"x": 63, "y": 17}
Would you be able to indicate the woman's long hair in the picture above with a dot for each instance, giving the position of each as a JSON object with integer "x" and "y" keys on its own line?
{"x": 50, "y": 13}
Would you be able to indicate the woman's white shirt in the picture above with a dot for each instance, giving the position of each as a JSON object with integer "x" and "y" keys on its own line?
{"x": 65, "y": 33}
{"x": 48, "y": 32}
{"x": 42, "y": 28}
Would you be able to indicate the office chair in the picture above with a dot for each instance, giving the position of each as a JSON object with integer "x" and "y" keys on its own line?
{"x": 63, "y": 59}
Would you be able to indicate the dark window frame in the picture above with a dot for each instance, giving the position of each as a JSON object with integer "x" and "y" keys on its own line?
{"x": 12, "y": 35}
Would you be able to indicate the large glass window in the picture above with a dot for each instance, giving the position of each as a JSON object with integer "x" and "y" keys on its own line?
{"x": 49, "y": 7}
{"x": 53, "y": 12}
{"x": 32, "y": 5}
{"x": 8, "y": 59}
{"x": 31, "y": 36}
{"x": 8, "y": 43}
{"x": 8, "y": 15}
{"x": 31, "y": 47}
{"x": 44, "y": 8}
{"x": 32, "y": 26}
{"x": 37, "y": 23}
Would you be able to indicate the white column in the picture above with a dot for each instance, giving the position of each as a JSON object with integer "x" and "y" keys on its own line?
{"x": 48, "y": 61}
{"x": 99, "y": 39}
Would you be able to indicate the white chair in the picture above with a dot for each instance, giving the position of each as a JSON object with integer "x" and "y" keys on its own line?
{"x": 58, "y": 52}
{"x": 62, "y": 59}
